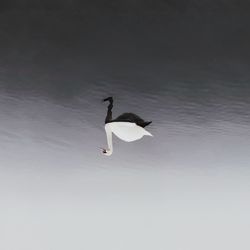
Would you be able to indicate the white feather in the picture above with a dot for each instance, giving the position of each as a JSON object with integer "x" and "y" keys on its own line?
{"x": 126, "y": 131}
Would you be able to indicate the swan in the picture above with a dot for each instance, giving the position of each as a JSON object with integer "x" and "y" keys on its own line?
{"x": 127, "y": 127}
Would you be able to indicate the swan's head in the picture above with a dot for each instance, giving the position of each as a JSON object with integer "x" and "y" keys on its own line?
{"x": 107, "y": 152}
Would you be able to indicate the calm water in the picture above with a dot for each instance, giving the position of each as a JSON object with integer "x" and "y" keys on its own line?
{"x": 203, "y": 127}
{"x": 185, "y": 188}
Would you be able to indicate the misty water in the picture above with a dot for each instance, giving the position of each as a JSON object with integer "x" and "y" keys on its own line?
{"x": 186, "y": 188}
{"x": 190, "y": 180}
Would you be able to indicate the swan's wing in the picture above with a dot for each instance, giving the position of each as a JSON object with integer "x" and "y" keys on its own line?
{"x": 128, "y": 131}
{"x": 129, "y": 117}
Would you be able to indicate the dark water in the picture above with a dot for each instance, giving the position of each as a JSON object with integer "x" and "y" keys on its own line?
{"x": 187, "y": 187}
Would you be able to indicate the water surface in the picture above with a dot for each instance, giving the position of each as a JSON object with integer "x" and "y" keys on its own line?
{"x": 185, "y": 188}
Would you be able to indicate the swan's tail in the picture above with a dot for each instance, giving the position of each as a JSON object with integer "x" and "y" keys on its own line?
{"x": 144, "y": 124}
{"x": 147, "y": 133}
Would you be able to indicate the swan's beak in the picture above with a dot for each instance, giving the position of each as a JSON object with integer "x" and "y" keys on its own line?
{"x": 110, "y": 99}
{"x": 104, "y": 151}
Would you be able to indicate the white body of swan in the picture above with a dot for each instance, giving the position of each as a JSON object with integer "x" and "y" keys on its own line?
{"x": 126, "y": 131}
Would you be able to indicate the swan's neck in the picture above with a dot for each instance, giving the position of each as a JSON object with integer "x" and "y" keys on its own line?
{"x": 109, "y": 138}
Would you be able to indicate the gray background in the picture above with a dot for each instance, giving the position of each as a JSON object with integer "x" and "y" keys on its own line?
{"x": 182, "y": 64}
